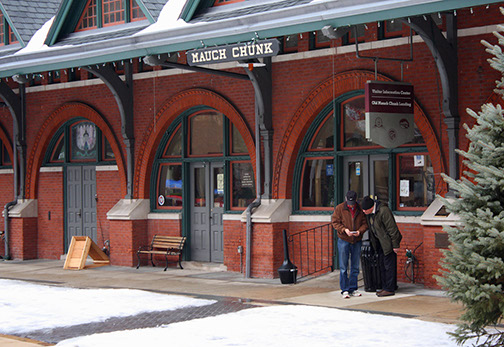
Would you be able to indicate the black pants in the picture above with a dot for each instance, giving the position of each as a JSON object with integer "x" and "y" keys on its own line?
{"x": 388, "y": 269}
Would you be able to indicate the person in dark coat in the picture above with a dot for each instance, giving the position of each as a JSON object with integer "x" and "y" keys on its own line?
{"x": 350, "y": 223}
{"x": 385, "y": 238}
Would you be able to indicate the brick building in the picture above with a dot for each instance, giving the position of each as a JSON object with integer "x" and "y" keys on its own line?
{"x": 230, "y": 121}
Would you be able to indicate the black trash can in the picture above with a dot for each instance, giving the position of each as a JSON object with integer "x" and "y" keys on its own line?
{"x": 370, "y": 268}
{"x": 287, "y": 271}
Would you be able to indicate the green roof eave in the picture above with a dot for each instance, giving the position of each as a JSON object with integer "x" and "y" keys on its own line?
{"x": 146, "y": 11}
{"x": 58, "y": 23}
{"x": 211, "y": 33}
{"x": 189, "y": 9}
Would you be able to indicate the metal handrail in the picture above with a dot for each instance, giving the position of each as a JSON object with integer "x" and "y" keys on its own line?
{"x": 312, "y": 250}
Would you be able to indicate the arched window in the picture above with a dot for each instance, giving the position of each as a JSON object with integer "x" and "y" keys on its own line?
{"x": 79, "y": 140}
{"x": 335, "y": 157}
{"x": 202, "y": 135}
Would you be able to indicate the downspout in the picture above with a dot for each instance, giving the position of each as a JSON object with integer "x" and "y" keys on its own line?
{"x": 6, "y": 230}
{"x": 256, "y": 202}
{"x": 261, "y": 80}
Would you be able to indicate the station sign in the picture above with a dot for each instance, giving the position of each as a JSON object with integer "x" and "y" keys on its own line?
{"x": 389, "y": 113}
{"x": 235, "y": 52}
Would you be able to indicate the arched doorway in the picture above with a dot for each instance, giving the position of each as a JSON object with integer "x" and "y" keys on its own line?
{"x": 78, "y": 147}
{"x": 202, "y": 170}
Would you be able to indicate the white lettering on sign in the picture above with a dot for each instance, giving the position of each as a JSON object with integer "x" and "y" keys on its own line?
{"x": 214, "y": 55}
{"x": 256, "y": 49}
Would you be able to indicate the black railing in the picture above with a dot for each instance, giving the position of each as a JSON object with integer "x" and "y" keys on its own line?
{"x": 312, "y": 250}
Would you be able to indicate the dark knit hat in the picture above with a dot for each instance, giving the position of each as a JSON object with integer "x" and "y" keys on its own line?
{"x": 367, "y": 203}
{"x": 351, "y": 197}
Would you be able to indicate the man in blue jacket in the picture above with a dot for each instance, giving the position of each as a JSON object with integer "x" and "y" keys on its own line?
{"x": 385, "y": 238}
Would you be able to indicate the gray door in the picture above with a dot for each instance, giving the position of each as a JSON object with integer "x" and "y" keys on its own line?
{"x": 80, "y": 202}
{"x": 207, "y": 206}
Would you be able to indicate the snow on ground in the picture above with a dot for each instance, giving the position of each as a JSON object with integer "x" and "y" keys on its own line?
{"x": 292, "y": 325}
{"x": 26, "y": 307}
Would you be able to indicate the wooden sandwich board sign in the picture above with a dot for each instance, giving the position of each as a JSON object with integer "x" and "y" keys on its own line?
{"x": 80, "y": 248}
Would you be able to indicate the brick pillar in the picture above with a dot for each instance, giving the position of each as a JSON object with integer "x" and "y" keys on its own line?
{"x": 125, "y": 238}
{"x": 128, "y": 230}
{"x": 432, "y": 256}
{"x": 23, "y": 223}
{"x": 267, "y": 249}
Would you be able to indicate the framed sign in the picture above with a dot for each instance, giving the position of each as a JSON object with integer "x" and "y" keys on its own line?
{"x": 235, "y": 52}
{"x": 389, "y": 113}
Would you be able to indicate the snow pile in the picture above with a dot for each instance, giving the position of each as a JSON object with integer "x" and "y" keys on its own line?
{"x": 281, "y": 326}
{"x": 26, "y": 307}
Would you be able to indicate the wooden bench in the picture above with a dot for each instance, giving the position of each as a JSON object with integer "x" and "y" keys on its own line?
{"x": 163, "y": 245}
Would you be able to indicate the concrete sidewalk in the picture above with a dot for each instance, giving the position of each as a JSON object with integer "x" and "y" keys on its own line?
{"x": 210, "y": 280}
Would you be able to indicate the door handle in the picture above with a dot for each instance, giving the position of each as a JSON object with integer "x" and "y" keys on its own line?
{"x": 79, "y": 213}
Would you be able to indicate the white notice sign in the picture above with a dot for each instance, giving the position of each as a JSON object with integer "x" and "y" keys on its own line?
{"x": 404, "y": 188}
{"x": 419, "y": 160}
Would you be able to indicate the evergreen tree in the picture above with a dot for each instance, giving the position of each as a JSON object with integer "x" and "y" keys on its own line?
{"x": 473, "y": 271}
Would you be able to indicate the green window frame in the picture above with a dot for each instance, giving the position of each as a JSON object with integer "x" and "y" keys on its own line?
{"x": 59, "y": 151}
{"x": 320, "y": 163}
{"x": 175, "y": 150}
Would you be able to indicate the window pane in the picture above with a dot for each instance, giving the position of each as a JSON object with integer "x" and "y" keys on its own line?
{"x": 59, "y": 151}
{"x": 113, "y": 11}
{"x": 218, "y": 184}
{"x": 416, "y": 181}
{"x": 238, "y": 143}
{"x": 356, "y": 177}
{"x": 324, "y": 138}
{"x": 83, "y": 141}
{"x": 244, "y": 191}
{"x": 170, "y": 186}
{"x": 174, "y": 148}
{"x": 393, "y": 26}
{"x": 136, "y": 12}
{"x": 108, "y": 152}
{"x": 6, "y": 156}
{"x": 207, "y": 134}
{"x": 318, "y": 183}
{"x": 354, "y": 121}
{"x": 88, "y": 19}
{"x": 361, "y": 31}
{"x": 381, "y": 183}
{"x": 291, "y": 42}
{"x": 199, "y": 187}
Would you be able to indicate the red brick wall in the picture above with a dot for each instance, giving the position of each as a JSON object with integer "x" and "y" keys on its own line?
{"x": 23, "y": 238}
{"x": 432, "y": 256}
{"x": 125, "y": 239}
{"x": 6, "y": 195}
{"x": 234, "y": 236}
{"x": 50, "y": 231}
{"x": 108, "y": 190}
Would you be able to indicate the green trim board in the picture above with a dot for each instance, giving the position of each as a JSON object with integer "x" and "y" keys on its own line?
{"x": 211, "y": 33}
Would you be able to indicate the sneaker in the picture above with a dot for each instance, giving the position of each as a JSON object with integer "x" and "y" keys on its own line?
{"x": 356, "y": 293}
{"x": 345, "y": 295}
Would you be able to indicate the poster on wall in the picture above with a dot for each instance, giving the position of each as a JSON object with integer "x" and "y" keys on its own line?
{"x": 389, "y": 113}
{"x": 404, "y": 188}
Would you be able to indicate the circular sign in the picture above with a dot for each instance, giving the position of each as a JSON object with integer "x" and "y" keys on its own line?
{"x": 161, "y": 200}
